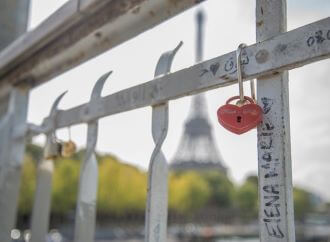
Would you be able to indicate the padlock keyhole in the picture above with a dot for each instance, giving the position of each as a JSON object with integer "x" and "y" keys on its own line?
{"x": 239, "y": 119}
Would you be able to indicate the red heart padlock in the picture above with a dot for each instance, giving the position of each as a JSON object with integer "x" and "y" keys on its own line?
{"x": 240, "y": 119}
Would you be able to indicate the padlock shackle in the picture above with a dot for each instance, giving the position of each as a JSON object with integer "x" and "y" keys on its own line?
{"x": 251, "y": 100}
{"x": 239, "y": 75}
{"x": 239, "y": 71}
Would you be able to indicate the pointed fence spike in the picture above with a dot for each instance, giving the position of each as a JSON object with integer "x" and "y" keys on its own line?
{"x": 157, "y": 199}
{"x": 165, "y": 61}
{"x": 86, "y": 205}
{"x": 56, "y": 102}
{"x": 98, "y": 87}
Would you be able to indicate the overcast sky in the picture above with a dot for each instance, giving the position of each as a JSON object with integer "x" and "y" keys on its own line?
{"x": 229, "y": 23}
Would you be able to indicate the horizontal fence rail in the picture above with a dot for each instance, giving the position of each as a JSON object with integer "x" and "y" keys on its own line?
{"x": 283, "y": 52}
{"x": 78, "y": 31}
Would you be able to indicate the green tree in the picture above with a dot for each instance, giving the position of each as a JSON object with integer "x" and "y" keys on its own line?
{"x": 28, "y": 184}
{"x": 247, "y": 198}
{"x": 188, "y": 192}
{"x": 253, "y": 179}
{"x": 65, "y": 186}
{"x": 221, "y": 189}
{"x": 302, "y": 203}
{"x": 122, "y": 188}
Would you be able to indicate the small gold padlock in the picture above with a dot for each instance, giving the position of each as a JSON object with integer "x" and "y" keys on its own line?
{"x": 68, "y": 149}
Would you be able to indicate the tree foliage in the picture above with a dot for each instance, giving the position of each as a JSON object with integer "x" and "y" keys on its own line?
{"x": 188, "y": 192}
{"x": 28, "y": 185}
{"x": 221, "y": 188}
{"x": 302, "y": 203}
{"x": 247, "y": 197}
{"x": 122, "y": 189}
{"x": 65, "y": 186}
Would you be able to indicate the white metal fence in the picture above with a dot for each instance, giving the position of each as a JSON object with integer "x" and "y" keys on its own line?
{"x": 60, "y": 44}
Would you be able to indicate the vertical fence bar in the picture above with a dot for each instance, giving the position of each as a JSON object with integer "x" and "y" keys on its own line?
{"x": 156, "y": 210}
{"x": 86, "y": 204}
{"x": 42, "y": 199}
{"x": 11, "y": 158}
{"x": 13, "y": 112}
{"x": 274, "y": 152}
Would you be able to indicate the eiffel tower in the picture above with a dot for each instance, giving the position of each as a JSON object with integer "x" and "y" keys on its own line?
{"x": 197, "y": 149}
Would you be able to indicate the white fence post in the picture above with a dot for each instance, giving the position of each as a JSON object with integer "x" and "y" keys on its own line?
{"x": 156, "y": 210}
{"x": 12, "y": 148}
{"x": 274, "y": 154}
{"x": 13, "y": 112}
{"x": 42, "y": 198}
{"x": 87, "y": 197}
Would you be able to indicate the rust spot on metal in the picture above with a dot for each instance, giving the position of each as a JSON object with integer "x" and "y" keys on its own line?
{"x": 98, "y": 35}
{"x": 281, "y": 48}
{"x": 136, "y": 10}
{"x": 260, "y": 23}
{"x": 262, "y": 56}
{"x": 225, "y": 77}
{"x": 106, "y": 40}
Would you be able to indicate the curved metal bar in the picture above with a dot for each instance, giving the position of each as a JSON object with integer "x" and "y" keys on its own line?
{"x": 92, "y": 126}
{"x": 165, "y": 61}
{"x": 86, "y": 205}
{"x": 42, "y": 200}
{"x": 54, "y": 107}
{"x": 98, "y": 87}
{"x": 156, "y": 211}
